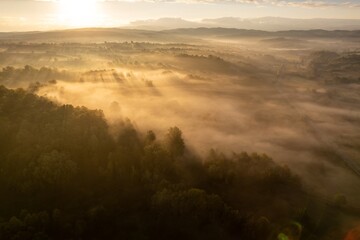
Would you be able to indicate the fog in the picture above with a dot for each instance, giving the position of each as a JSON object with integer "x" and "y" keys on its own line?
{"x": 279, "y": 96}
{"x": 223, "y": 96}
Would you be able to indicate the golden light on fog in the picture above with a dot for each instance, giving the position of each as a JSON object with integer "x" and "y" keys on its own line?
{"x": 78, "y": 13}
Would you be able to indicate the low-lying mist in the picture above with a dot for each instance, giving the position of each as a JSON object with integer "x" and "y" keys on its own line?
{"x": 232, "y": 99}
{"x": 295, "y": 98}
{"x": 280, "y": 100}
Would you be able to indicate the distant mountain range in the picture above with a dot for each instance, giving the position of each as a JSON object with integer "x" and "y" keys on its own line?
{"x": 184, "y": 35}
{"x": 264, "y": 23}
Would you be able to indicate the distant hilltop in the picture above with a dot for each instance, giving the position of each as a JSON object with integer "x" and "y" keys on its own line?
{"x": 185, "y": 35}
{"x": 263, "y": 23}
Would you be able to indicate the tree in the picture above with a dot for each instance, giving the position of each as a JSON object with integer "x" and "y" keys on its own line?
{"x": 150, "y": 137}
{"x": 54, "y": 168}
{"x": 174, "y": 142}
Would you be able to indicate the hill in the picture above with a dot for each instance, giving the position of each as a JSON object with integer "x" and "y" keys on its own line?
{"x": 174, "y": 35}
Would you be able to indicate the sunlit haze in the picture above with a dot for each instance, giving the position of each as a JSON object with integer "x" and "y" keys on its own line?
{"x": 79, "y": 13}
{"x": 23, "y": 15}
{"x": 180, "y": 119}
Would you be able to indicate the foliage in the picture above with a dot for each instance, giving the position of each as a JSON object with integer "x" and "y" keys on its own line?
{"x": 64, "y": 176}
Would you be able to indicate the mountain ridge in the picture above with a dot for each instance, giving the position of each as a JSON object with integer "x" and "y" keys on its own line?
{"x": 172, "y": 35}
{"x": 262, "y": 23}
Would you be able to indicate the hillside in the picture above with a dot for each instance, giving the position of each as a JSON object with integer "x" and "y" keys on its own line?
{"x": 64, "y": 176}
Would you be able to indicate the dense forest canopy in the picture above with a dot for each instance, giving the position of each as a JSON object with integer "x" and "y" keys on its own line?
{"x": 65, "y": 173}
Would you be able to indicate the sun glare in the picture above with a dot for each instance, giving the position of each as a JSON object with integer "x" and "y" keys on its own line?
{"x": 78, "y": 13}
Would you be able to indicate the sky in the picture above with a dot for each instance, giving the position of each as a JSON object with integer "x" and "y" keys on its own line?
{"x": 28, "y": 15}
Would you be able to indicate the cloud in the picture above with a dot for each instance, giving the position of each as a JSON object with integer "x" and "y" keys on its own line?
{"x": 290, "y": 3}
{"x": 312, "y": 4}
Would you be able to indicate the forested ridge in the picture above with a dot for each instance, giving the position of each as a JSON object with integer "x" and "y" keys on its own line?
{"x": 65, "y": 173}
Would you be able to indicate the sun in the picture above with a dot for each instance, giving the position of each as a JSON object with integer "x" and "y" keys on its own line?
{"x": 78, "y": 13}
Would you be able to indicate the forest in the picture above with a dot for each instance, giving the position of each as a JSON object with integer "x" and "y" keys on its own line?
{"x": 208, "y": 133}
{"x": 66, "y": 173}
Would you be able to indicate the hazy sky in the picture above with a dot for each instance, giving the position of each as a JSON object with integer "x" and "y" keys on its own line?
{"x": 20, "y": 15}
